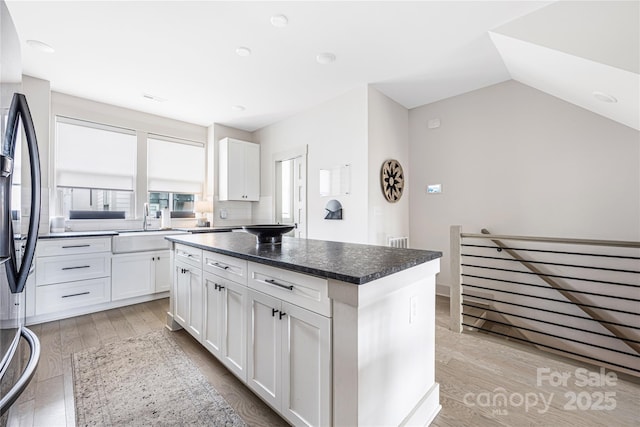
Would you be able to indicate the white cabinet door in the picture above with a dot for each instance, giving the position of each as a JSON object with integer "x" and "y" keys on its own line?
{"x": 265, "y": 347}
{"x": 162, "y": 271}
{"x": 289, "y": 362}
{"x": 213, "y": 315}
{"x": 234, "y": 348}
{"x": 189, "y": 293}
{"x": 132, "y": 275}
{"x": 306, "y": 367}
{"x": 180, "y": 294}
{"x": 225, "y": 330}
{"x": 252, "y": 172}
{"x": 238, "y": 170}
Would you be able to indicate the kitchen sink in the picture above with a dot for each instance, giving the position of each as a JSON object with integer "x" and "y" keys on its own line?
{"x": 142, "y": 241}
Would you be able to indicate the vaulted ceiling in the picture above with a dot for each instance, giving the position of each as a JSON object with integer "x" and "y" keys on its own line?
{"x": 184, "y": 55}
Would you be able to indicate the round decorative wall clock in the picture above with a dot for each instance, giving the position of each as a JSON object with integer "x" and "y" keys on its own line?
{"x": 392, "y": 180}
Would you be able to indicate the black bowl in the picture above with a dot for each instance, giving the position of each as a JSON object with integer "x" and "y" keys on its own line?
{"x": 268, "y": 233}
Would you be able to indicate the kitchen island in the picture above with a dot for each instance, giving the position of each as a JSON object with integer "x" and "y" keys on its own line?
{"x": 327, "y": 333}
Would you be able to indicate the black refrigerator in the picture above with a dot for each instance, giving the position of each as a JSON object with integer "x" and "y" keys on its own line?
{"x": 19, "y": 347}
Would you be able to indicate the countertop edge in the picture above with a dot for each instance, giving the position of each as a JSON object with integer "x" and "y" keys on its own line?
{"x": 356, "y": 280}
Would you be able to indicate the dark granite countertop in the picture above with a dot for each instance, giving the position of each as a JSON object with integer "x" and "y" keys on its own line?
{"x": 107, "y": 233}
{"x": 196, "y": 230}
{"x": 347, "y": 262}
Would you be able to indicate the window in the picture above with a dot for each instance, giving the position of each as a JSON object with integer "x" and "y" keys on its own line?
{"x": 175, "y": 175}
{"x": 95, "y": 167}
{"x": 176, "y": 202}
{"x": 175, "y": 166}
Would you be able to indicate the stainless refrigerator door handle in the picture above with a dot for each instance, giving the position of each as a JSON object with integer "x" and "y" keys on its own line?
{"x": 17, "y": 276}
{"x": 27, "y": 374}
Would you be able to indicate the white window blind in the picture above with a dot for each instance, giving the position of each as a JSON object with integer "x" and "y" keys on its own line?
{"x": 175, "y": 166}
{"x": 90, "y": 155}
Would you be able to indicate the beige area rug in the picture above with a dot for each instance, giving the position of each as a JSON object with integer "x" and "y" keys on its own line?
{"x": 145, "y": 380}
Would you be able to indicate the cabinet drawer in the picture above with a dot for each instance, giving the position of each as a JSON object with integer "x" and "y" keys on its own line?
{"x": 64, "y": 296}
{"x": 188, "y": 254}
{"x": 58, "y": 269}
{"x": 300, "y": 289}
{"x": 67, "y": 246}
{"x": 225, "y": 266}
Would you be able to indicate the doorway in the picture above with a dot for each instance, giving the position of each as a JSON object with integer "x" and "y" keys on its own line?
{"x": 290, "y": 190}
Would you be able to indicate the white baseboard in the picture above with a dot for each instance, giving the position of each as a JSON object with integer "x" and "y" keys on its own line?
{"x": 426, "y": 410}
{"x": 442, "y": 290}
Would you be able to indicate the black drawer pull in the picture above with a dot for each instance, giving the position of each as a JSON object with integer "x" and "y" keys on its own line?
{"x": 273, "y": 282}
{"x": 75, "y": 268}
{"x": 76, "y": 295}
{"x": 216, "y": 265}
{"x": 282, "y": 314}
{"x": 76, "y": 246}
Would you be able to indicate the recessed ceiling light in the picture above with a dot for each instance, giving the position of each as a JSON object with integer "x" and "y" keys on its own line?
{"x": 153, "y": 97}
{"x": 243, "y": 51}
{"x": 605, "y": 97}
{"x": 42, "y": 47}
{"x": 325, "y": 58}
{"x": 279, "y": 21}
{"x": 238, "y": 108}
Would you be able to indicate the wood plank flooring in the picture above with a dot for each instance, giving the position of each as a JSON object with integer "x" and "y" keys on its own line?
{"x": 473, "y": 372}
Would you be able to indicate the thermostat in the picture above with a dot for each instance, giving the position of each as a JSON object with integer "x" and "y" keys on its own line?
{"x": 434, "y": 189}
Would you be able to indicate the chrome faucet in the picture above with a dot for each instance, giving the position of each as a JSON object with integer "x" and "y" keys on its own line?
{"x": 146, "y": 216}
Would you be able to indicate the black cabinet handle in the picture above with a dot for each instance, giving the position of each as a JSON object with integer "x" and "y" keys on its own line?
{"x": 273, "y": 282}
{"x": 75, "y": 246}
{"x": 216, "y": 265}
{"x": 76, "y": 295}
{"x": 75, "y": 268}
{"x": 282, "y": 314}
{"x": 273, "y": 312}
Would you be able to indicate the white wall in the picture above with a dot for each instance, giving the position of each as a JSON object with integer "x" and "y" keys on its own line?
{"x": 388, "y": 135}
{"x": 336, "y": 134}
{"x": 517, "y": 161}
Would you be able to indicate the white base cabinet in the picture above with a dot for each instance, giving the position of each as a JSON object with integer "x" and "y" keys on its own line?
{"x": 188, "y": 295}
{"x": 270, "y": 327}
{"x": 140, "y": 273}
{"x": 225, "y": 326}
{"x": 70, "y": 274}
{"x": 290, "y": 359}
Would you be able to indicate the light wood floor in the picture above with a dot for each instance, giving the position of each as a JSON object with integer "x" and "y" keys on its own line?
{"x": 471, "y": 370}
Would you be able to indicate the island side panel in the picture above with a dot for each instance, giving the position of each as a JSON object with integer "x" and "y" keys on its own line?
{"x": 384, "y": 349}
{"x": 171, "y": 324}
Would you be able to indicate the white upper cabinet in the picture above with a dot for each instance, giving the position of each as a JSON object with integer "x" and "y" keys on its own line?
{"x": 239, "y": 170}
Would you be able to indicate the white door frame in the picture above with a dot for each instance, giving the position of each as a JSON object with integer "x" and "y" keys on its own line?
{"x": 302, "y": 152}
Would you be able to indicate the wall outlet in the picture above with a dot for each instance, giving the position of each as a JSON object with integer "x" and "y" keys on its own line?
{"x": 223, "y": 213}
{"x": 413, "y": 309}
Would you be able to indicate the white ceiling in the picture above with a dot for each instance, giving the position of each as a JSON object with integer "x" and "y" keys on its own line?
{"x": 415, "y": 52}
